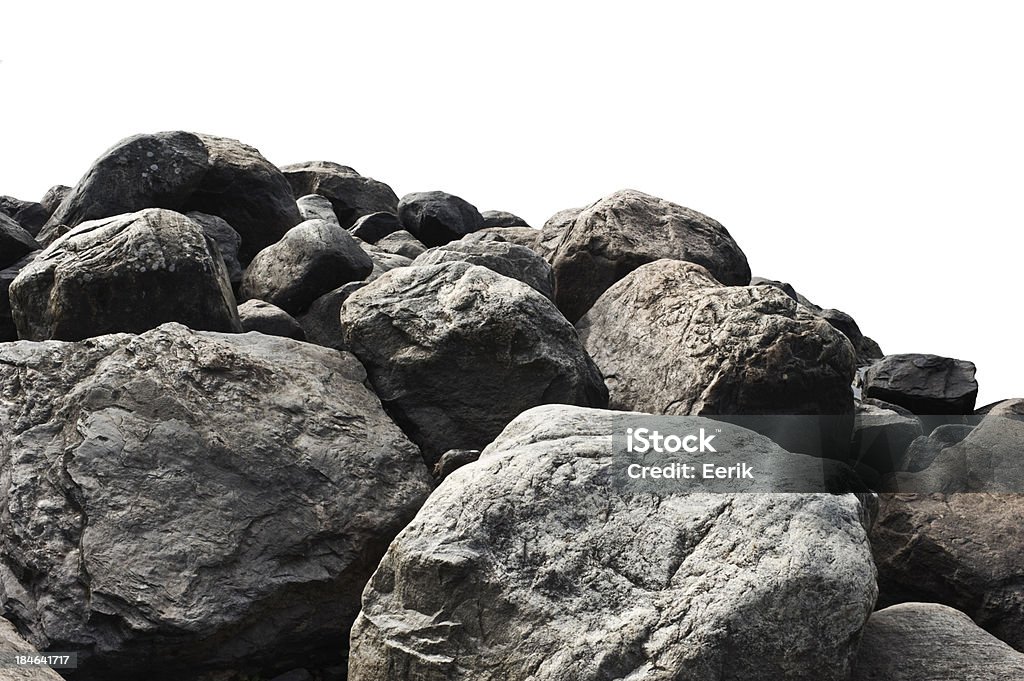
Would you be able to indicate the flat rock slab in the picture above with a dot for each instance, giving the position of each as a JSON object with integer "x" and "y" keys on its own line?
{"x": 924, "y": 384}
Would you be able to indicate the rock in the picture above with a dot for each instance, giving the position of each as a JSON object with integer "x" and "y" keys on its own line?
{"x": 613, "y": 236}
{"x": 951, "y": 433}
{"x": 313, "y": 258}
{"x": 501, "y": 218}
{"x": 400, "y": 243}
{"x": 452, "y": 460}
{"x": 456, "y": 351}
{"x": 925, "y": 641}
{"x": 128, "y": 273}
{"x": 316, "y": 207}
{"x": 322, "y": 321}
{"x": 180, "y": 502}
{"x": 435, "y": 218}
{"x": 185, "y": 172}
{"x": 783, "y": 286}
{"x": 227, "y": 239}
{"x": 1009, "y": 408}
{"x": 53, "y": 198}
{"x": 881, "y": 437}
{"x": 11, "y": 644}
{"x": 31, "y": 216}
{"x": 375, "y": 226}
{"x": 522, "y": 236}
{"x": 257, "y": 315}
{"x": 670, "y": 339}
{"x": 8, "y": 331}
{"x": 924, "y": 384}
{"x": 555, "y": 229}
{"x": 15, "y": 242}
{"x": 351, "y": 194}
{"x": 511, "y": 260}
{"x": 920, "y": 454}
{"x": 531, "y": 564}
{"x": 385, "y": 262}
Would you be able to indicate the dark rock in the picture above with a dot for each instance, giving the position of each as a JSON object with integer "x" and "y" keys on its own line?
{"x": 456, "y": 351}
{"x": 920, "y": 454}
{"x": 316, "y": 207}
{"x": 612, "y": 237}
{"x": 177, "y": 502}
{"x": 351, "y": 194}
{"x": 1013, "y": 408}
{"x": 781, "y": 285}
{"x": 554, "y": 230}
{"x": 670, "y": 339}
{"x": 435, "y": 218}
{"x": 11, "y": 644}
{"x": 8, "y": 331}
{"x": 227, "y": 239}
{"x": 400, "y": 243}
{"x": 924, "y": 384}
{"x": 532, "y": 564}
{"x": 951, "y": 433}
{"x": 127, "y": 273}
{"x": 882, "y": 404}
{"x": 53, "y": 197}
{"x": 322, "y": 321}
{"x": 257, "y": 315}
{"x": 375, "y": 226}
{"x": 313, "y": 258}
{"x": 927, "y": 641}
{"x": 881, "y": 437}
{"x": 511, "y": 260}
{"x": 15, "y": 242}
{"x": 501, "y": 218}
{"x": 384, "y": 262}
{"x": 29, "y": 214}
{"x": 452, "y": 460}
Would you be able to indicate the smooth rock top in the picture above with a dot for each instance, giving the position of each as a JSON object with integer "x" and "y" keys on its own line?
{"x": 604, "y": 242}
{"x": 351, "y": 195}
{"x": 435, "y": 218}
{"x": 502, "y": 218}
{"x": 375, "y": 226}
{"x": 924, "y": 384}
{"x": 509, "y": 259}
{"x": 257, "y": 315}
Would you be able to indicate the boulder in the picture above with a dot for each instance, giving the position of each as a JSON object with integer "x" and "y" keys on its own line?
{"x": 509, "y": 259}
{"x": 501, "y": 218}
{"x": 920, "y": 454}
{"x": 613, "y": 236}
{"x": 531, "y": 564}
{"x": 351, "y": 194}
{"x": 452, "y": 460}
{"x": 375, "y": 226}
{"x": 1013, "y": 408}
{"x": 322, "y": 321}
{"x": 184, "y": 172}
{"x": 31, "y": 216}
{"x": 435, "y": 218}
{"x": 927, "y": 641}
{"x": 12, "y": 644}
{"x": 316, "y": 207}
{"x": 881, "y": 437}
{"x": 257, "y": 315}
{"x": 227, "y": 239}
{"x": 177, "y": 503}
{"x": 456, "y": 351}
{"x": 924, "y": 384}
{"x": 670, "y": 339}
{"x": 384, "y": 262}
{"x": 783, "y": 286}
{"x": 313, "y": 258}
{"x": 553, "y": 231}
{"x": 8, "y": 331}
{"x": 127, "y": 273}
{"x": 400, "y": 243}
{"x": 522, "y": 236}
{"x": 53, "y": 198}
{"x": 15, "y": 242}
{"x": 963, "y": 550}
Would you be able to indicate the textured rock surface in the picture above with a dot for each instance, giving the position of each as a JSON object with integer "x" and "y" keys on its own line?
{"x": 502, "y": 218}
{"x": 15, "y": 242}
{"x": 529, "y": 564}
{"x": 128, "y": 273}
{"x": 926, "y": 642}
{"x": 881, "y": 437}
{"x": 227, "y": 239}
{"x": 613, "y": 236}
{"x": 313, "y": 258}
{"x": 375, "y": 226}
{"x": 53, "y": 197}
{"x": 669, "y": 339}
{"x": 29, "y": 214}
{"x": 177, "y": 502}
{"x": 351, "y": 194}
{"x": 322, "y": 321}
{"x": 400, "y": 243}
{"x": 456, "y": 351}
{"x": 11, "y": 643}
{"x": 8, "y": 331}
{"x": 963, "y": 550}
{"x": 511, "y": 260}
{"x": 257, "y": 315}
{"x": 924, "y": 384}
{"x": 452, "y": 460}
{"x": 316, "y": 207}
{"x": 435, "y": 218}
{"x": 523, "y": 236}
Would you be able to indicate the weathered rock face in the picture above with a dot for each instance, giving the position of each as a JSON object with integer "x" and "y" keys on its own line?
{"x": 316, "y": 207}
{"x": 313, "y": 258}
{"x": 257, "y": 315}
{"x": 502, "y": 218}
{"x": 15, "y": 242}
{"x": 522, "y": 236}
{"x": 128, "y": 273}
{"x": 53, "y": 197}
{"x": 530, "y": 564}
{"x": 924, "y": 384}
{"x": 11, "y": 642}
{"x": 351, "y": 194}
{"x": 179, "y": 502}
{"x": 670, "y": 339}
{"x": 456, "y": 351}
{"x": 926, "y": 641}
{"x": 322, "y": 321}
{"x": 400, "y": 243}
{"x": 375, "y": 226}
{"x": 185, "y": 172}
{"x": 511, "y": 260}
{"x": 29, "y": 214}
{"x": 881, "y": 437}
{"x": 227, "y": 239}
{"x": 963, "y": 550}
{"x": 435, "y": 218}
{"x": 612, "y": 237}
{"x": 8, "y": 331}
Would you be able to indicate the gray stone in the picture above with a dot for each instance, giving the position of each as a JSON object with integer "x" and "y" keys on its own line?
{"x": 351, "y": 195}
{"x": 322, "y": 321}
{"x": 452, "y": 460}
{"x": 924, "y": 384}
{"x": 11, "y": 643}
{"x": 613, "y": 236}
{"x": 530, "y": 564}
{"x": 15, "y": 242}
{"x": 509, "y": 259}
{"x": 227, "y": 239}
{"x": 502, "y": 218}
{"x": 435, "y": 218}
{"x": 128, "y": 273}
{"x": 313, "y": 258}
{"x": 53, "y": 197}
{"x": 375, "y": 226}
{"x": 257, "y": 315}
{"x": 316, "y": 207}
{"x": 400, "y": 243}
{"x": 522, "y": 236}
{"x": 881, "y": 437}
{"x": 783, "y": 286}
{"x": 8, "y": 331}
{"x": 456, "y": 351}
{"x": 31, "y": 216}
{"x": 179, "y": 502}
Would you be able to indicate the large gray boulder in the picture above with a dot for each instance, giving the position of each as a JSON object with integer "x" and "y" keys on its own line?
{"x": 257, "y": 315}
{"x": 435, "y": 218}
{"x": 227, "y": 239}
{"x": 351, "y": 195}
{"x": 509, "y": 259}
{"x": 11, "y": 645}
{"x": 180, "y": 502}
{"x": 924, "y": 384}
{"x": 927, "y": 641}
{"x": 375, "y": 226}
{"x": 502, "y": 218}
{"x": 128, "y": 273}
{"x": 321, "y": 323}
{"x": 456, "y": 351}
{"x": 15, "y": 242}
{"x": 612, "y": 237}
{"x": 313, "y": 258}
{"x": 29, "y": 214}
{"x": 531, "y": 564}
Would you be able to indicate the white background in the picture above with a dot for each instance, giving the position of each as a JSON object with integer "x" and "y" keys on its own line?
{"x": 869, "y": 153}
